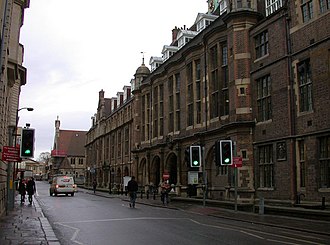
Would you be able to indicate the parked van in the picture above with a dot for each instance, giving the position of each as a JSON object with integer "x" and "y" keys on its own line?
{"x": 62, "y": 185}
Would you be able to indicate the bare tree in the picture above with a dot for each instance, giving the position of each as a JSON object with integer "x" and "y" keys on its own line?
{"x": 44, "y": 157}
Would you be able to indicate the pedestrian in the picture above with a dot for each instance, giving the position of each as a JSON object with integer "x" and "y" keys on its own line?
{"x": 22, "y": 190}
{"x": 94, "y": 185}
{"x": 165, "y": 189}
{"x": 132, "y": 188}
{"x": 31, "y": 189}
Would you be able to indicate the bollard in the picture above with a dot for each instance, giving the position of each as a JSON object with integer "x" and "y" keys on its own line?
{"x": 261, "y": 205}
{"x": 147, "y": 194}
{"x": 323, "y": 202}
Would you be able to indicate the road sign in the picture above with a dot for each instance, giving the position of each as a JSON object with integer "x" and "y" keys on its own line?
{"x": 10, "y": 154}
{"x": 237, "y": 162}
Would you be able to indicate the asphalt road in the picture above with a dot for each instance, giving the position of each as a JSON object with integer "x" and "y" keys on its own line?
{"x": 88, "y": 219}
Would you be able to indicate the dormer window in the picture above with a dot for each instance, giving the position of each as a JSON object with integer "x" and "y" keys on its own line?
{"x": 204, "y": 20}
{"x": 272, "y": 6}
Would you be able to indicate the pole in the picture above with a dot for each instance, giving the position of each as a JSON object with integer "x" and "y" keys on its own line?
{"x": 204, "y": 177}
{"x": 235, "y": 176}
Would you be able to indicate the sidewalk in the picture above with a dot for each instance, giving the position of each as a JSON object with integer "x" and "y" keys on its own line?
{"x": 26, "y": 224}
{"x": 310, "y": 225}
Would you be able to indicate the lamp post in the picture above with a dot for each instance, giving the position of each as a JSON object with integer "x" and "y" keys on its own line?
{"x": 11, "y": 168}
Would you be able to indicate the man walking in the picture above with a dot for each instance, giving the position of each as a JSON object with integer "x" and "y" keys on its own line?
{"x": 132, "y": 188}
{"x": 31, "y": 189}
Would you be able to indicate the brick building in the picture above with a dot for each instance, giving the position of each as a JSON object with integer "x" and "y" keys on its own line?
{"x": 68, "y": 154}
{"x": 258, "y": 74}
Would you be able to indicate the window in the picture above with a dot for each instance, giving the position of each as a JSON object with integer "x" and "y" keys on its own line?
{"x": 264, "y": 99}
{"x": 143, "y": 117}
{"x": 305, "y": 86}
{"x": 198, "y": 92}
{"x": 155, "y": 112}
{"x": 301, "y": 146}
{"x": 325, "y": 161}
{"x": 272, "y": 6}
{"x": 73, "y": 161}
{"x": 126, "y": 141}
{"x": 214, "y": 82}
{"x": 113, "y": 142}
{"x": 81, "y": 161}
{"x": 307, "y": 10}
{"x": 161, "y": 110}
{"x": 261, "y": 44}
{"x": 324, "y": 5}
{"x": 190, "y": 94}
{"x": 170, "y": 105}
{"x": 266, "y": 166}
{"x": 178, "y": 105}
{"x": 224, "y": 71}
{"x": 119, "y": 144}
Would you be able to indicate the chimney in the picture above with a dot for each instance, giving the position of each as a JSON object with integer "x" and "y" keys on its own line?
{"x": 174, "y": 34}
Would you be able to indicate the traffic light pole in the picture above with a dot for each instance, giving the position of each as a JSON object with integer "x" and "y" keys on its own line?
{"x": 204, "y": 177}
{"x": 235, "y": 177}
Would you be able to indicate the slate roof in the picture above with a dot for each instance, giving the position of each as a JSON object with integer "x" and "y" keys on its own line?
{"x": 72, "y": 142}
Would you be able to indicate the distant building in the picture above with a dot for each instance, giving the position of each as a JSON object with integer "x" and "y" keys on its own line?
{"x": 68, "y": 154}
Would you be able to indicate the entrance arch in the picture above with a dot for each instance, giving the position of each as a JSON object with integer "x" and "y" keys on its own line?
{"x": 172, "y": 167}
{"x": 155, "y": 171}
{"x": 142, "y": 172}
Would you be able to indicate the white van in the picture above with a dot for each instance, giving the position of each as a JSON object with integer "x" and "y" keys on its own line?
{"x": 62, "y": 185}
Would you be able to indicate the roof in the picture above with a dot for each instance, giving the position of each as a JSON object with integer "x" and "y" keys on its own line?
{"x": 72, "y": 142}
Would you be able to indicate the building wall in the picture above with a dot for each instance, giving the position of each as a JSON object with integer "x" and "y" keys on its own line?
{"x": 274, "y": 164}
{"x": 12, "y": 76}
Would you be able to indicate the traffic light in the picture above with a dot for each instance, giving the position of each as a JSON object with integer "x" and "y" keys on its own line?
{"x": 27, "y": 143}
{"x": 226, "y": 152}
{"x": 195, "y": 156}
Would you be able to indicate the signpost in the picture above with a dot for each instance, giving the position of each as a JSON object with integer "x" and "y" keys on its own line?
{"x": 237, "y": 162}
{"x": 10, "y": 154}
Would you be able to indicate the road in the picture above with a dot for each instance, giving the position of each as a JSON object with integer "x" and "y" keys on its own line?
{"x": 88, "y": 219}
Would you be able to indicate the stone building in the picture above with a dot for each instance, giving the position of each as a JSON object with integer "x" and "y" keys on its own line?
{"x": 12, "y": 77}
{"x": 258, "y": 74}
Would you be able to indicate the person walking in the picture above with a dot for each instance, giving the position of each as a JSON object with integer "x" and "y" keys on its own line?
{"x": 132, "y": 188}
{"x": 165, "y": 189}
{"x": 22, "y": 190}
{"x": 31, "y": 189}
{"x": 94, "y": 185}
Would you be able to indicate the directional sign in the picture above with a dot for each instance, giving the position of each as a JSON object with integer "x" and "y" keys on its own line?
{"x": 10, "y": 154}
{"x": 237, "y": 162}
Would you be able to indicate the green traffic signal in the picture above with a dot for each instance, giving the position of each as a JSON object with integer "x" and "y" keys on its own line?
{"x": 27, "y": 143}
{"x": 195, "y": 156}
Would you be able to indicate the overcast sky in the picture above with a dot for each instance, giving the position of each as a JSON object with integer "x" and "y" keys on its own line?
{"x": 75, "y": 48}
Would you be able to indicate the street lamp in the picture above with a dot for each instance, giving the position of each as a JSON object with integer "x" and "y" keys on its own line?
{"x": 12, "y": 166}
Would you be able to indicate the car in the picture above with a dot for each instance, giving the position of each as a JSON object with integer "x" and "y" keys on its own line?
{"x": 62, "y": 185}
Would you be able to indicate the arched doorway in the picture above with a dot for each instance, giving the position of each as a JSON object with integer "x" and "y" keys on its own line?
{"x": 142, "y": 173}
{"x": 171, "y": 167}
{"x": 155, "y": 172}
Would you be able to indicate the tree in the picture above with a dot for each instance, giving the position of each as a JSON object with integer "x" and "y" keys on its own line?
{"x": 44, "y": 157}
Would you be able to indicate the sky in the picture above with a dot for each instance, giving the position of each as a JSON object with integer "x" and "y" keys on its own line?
{"x": 75, "y": 48}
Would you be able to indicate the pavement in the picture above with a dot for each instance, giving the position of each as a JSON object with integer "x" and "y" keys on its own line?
{"x": 26, "y": 224}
